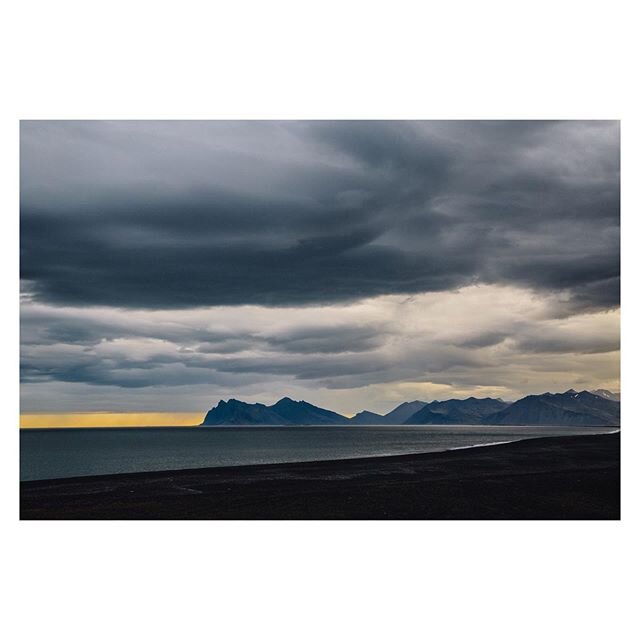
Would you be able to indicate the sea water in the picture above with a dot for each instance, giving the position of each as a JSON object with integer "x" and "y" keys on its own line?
{"x": 65, "y": 453}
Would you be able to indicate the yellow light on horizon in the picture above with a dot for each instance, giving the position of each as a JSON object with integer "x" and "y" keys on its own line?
{"x": 79, "y": 420}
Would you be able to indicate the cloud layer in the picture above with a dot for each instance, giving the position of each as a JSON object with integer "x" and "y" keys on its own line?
{"x": 165, "y": 264}
{"x": 158, "y": 215}
{"x": 365, "y": 351}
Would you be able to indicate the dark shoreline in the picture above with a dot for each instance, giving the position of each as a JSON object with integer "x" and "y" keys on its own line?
{"x": 564, "y": 477}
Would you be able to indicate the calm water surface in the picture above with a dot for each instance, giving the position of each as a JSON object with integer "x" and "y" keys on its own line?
{"x": 65, "y": 453}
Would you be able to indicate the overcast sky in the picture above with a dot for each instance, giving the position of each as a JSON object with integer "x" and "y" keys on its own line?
{"x": 166, "y": 265}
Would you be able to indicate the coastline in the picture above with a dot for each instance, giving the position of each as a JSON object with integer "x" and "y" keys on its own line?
{"x": 560, "y": 477}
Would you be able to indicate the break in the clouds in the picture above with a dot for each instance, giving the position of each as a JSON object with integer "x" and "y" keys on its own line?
{"x": 353, "y": 262}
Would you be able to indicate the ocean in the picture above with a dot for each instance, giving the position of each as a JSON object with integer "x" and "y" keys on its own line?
{"x": 67, "y": 453}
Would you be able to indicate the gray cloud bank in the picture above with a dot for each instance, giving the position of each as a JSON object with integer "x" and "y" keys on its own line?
{"x": 443, "y": 338}
{"x": 184, "y": 214}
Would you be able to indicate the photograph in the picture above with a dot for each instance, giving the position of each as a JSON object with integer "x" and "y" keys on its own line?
{"x": 341, "y": 319}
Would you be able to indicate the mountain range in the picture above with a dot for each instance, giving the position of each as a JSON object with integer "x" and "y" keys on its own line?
{"x": 571, "y": 408}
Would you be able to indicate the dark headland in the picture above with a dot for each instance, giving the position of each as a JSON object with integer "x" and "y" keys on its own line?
{"x": 567, "y": 477}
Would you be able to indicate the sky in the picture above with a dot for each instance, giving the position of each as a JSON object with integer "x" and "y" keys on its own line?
{"x": 353, "y": 264}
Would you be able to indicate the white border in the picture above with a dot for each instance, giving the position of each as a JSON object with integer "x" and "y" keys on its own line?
{"x": 333, "y": 60}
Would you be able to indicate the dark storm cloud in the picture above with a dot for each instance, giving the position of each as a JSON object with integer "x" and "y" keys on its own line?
{"x": 342, "y": 339}
{"x": 549, "y": 342}
{"x": 482, "y": 340}
{"x": 126, "y": 375}
{"x": 41, "y": 326}
{"x": 49, "y": 326}
{"x": 180, "y": 215}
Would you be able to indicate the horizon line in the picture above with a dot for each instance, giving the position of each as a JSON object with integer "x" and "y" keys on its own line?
{"x": 110, "y": 419}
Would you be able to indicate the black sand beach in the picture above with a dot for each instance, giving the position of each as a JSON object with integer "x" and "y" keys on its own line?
{"x": 573, "y": 477}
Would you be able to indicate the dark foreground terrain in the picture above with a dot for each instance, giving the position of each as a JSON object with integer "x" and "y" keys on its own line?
{"x": 573, "y": 477}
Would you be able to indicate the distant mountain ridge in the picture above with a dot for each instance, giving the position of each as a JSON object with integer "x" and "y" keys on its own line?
{"x": 571, "y": 408}
{"x": 284, "y": 412}
{"x": 607, "y": 395}
{"x": 469, "y": 411}
{"x": 404, "y": 411}
{"x": 368, "y": 417}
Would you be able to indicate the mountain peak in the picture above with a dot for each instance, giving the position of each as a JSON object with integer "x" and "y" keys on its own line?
{"x": 367, "y": 418}
{"x": 404, "y": 411}
{"x": 559, "y": 409}
{"x": 606, "y": 394}
{"x": 455, "y": 411}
